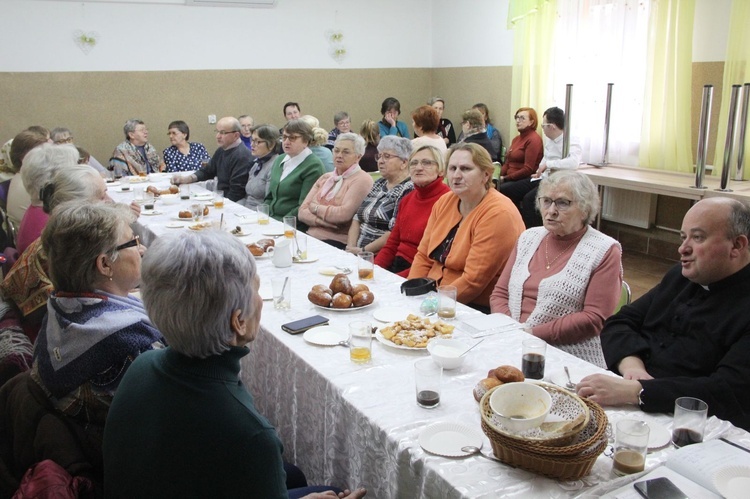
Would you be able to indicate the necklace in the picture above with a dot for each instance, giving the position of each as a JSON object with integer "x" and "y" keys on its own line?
{"x": 546, "y": 256}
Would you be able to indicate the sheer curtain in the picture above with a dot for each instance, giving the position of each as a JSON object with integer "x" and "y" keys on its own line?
{"x": 533, "y": 25}
{"x": 665, "y": 134}
{"x": 597, "y": 42}
{"x": 736, "y": 72}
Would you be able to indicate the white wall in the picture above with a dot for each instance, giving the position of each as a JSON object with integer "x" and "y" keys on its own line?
{"x": 711, "y": 29}
{"x": 38, "y": 35}
{"x": 471, "y": 33}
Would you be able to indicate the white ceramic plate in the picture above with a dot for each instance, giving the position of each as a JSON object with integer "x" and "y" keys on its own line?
{"x": 150, "y": 213}
{"x": 381, "y": 339}
{"x": 185, "y": 220}
{"x": 175, "y": 225}
{"x": 733, "y": 482}
{"x": 558, "y": 378}
{"x": 309, "y": 259}
{"x": 350, "y": 309}
{"x": 325, "y": 336}
{"x": 391, "y": 314}
{"x": 446, "y": 439}
{"x": 332, "y": 271}
{"x": 270, "y": 233}
{"x": 239, "y": 234}
{"x": 659, "y": 436}
{"x": 136, "y": 179}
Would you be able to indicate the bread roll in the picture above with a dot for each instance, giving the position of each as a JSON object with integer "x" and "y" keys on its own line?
{"x": 319, "y": 298}
{"x": 322, "y": 288}
{"x": 173, "y": 189}
{"x": 362, "y": 298}
{"x": 508, "y": 374}
{"x": 185, "y": 214}
{"x": 153, "y": 189}
{"x": 205, "y": 211}
{"x": 484, "y": 386}
{"x": 341, "y": 300}
{"x": 359, "y": 287}
{"x": 255, "y": 249}
{"x": 341, "y": 284}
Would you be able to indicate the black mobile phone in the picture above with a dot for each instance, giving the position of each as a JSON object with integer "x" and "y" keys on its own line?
{"x": 659, "y": 488}
{"x": 302, "y": 325}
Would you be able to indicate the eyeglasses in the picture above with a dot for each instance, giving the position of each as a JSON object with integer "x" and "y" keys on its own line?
{"x": 426, "y": 163}
{"x": 385, "y": 156}
{"x": 560, "y": 203}
{"x": 136, "y": 241}
{"x": 343, "y": 152}
{"x": 545, "y": 125}
{"x": 520, "y": 117}
{"x": 224, "y": 132}
{"x": 290, "y": 138}
{"x": 69, "y": 140}
{"x": 258, "y": 141}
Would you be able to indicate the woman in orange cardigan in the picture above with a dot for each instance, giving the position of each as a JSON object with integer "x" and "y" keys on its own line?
{"x": 471, "y": 231}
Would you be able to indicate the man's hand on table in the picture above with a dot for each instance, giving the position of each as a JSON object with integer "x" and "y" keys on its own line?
{"x": 632, "y": 367}
{"x": 609, "y": 390}
{"x": 346, "y": 494}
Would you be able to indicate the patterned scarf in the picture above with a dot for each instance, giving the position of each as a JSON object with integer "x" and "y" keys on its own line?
{"x": 333, "y": 183}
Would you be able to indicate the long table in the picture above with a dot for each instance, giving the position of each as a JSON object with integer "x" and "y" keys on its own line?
{"x": 349, "y": 425}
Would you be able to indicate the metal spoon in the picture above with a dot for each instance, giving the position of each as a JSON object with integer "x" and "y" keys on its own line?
{"x": 569, "y": 385}
{"x": 344, "y": 270}
{"x": 467, "y": 350}
{"x": 473, "y": 450}
{"x": 344, "y": 343}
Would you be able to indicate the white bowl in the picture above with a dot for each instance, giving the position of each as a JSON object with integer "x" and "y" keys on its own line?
{"x": 520, "y": 406}
{"x": 169, "y": 198}
{"x": 446, "y": 352}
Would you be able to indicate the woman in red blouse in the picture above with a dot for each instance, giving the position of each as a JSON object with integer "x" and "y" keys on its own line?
{"x": 523, "y": 157}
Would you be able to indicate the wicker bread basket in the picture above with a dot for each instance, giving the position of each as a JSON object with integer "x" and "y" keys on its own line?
{"x": 567, "y": 463}
{"x": 565, "y": 405}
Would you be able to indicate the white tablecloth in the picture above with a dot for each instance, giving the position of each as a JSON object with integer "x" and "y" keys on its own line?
{"x": 358, "y": 425}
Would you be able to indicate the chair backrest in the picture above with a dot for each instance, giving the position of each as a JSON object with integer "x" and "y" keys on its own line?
{"x": 4, "y": 188}
{"x": 624, "y": 297}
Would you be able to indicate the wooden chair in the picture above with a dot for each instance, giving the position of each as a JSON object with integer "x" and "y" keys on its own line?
{"x": 625, "y": 297}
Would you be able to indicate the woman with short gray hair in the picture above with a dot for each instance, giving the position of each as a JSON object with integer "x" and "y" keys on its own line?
{"x": 264, "y": 139}
{"x": 563, "y": 279}
{"x": 376, "y": 216}
{"x": 194, "y": 384}
{"x": 39, "y": 166}
{"x": 333, "y": 201}
{"x": 94, "y": 262}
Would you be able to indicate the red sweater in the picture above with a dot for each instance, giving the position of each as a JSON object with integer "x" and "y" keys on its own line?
{"x": 413, "y": 212}
{"x": 524, "y": 155}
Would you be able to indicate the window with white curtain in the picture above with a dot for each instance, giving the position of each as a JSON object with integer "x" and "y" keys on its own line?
{"x": 597, "y": 42}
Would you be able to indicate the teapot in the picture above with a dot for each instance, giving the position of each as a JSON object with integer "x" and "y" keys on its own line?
{"x": 282, "y": 253}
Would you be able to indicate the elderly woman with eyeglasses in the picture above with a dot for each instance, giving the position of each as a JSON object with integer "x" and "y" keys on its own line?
{"x": 333, "y": 201}
{"x": 28, "y": 284}
{"x": 92, "y": 333}
{"x": 293, "y": 173}
{"x": 471, "y": 230}
{"x": 374, "y": 220}
{"x": 563, "y": 279}
{"x": 264, "y": 140}
{"x": 426, "y": 167}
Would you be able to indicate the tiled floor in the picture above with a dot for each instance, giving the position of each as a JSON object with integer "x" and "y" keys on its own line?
{"x": 643, "y": 272}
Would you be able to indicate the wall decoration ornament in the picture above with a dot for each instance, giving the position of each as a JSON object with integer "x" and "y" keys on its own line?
{"x": 336, "y": 48}
{"x": 86, "y": 40}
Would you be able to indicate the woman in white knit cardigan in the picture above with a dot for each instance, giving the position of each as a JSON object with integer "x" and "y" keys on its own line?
{"x": 563, "y": 279}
